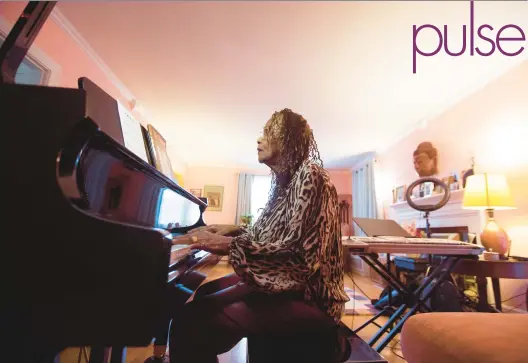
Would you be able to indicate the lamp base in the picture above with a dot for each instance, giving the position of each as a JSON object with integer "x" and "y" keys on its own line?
{"x": 495, "y": 239}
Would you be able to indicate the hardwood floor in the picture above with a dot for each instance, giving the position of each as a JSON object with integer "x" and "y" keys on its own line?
{"x": 391, "y": 353}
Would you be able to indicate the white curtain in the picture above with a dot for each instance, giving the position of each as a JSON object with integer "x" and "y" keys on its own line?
{"x": 245, "y": 182}
{"x": 364, "y": 203}
{"x": 259, "y": 194}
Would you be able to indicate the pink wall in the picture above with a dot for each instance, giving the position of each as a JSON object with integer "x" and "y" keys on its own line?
{"x": 492, "y": 126}
{"x": 60, "y": 47}
{"x": 342, "y": 180}
{"x": 197, "y": 177}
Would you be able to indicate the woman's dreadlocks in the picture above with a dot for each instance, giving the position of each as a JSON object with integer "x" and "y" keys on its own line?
{"x": 296, "y": 144}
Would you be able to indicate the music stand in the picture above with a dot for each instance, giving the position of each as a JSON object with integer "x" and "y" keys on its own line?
{"x": 380, "y": 227}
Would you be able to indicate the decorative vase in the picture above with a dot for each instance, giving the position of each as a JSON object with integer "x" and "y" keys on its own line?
{"x": 495, "y": 239}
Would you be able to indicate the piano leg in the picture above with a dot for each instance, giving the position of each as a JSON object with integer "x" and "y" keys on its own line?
{"x": 118, "y": 355}
{"x": 99, "y": 354}
{"x": 177, "y": 295}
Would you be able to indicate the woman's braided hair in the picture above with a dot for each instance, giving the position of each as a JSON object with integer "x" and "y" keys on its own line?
{"x": 296, "y": 144}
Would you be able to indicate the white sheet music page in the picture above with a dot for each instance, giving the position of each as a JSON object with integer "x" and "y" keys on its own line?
{"x": 132, "y": 133}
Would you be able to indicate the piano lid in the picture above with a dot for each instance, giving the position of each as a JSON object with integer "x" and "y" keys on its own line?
{"x": 106, "y": 180}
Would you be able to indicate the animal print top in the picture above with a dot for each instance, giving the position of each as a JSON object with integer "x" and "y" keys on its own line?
{"x": 296, "y": 243}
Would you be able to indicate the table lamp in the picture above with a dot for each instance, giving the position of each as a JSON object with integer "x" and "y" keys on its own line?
{"x": 489, "y": 192}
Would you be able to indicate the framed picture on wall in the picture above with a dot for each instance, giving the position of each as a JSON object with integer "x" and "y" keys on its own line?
{"x": 196, "y": 192}
{"x": 215, "y": 197}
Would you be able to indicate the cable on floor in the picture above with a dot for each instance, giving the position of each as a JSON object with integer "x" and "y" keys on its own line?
{"x": 392, "y": 349}
{"x": 513, "y": 297}
{"x": 350, "y": 275}
{"x": 513, "y": 308}
{"x": 396, "y": 354}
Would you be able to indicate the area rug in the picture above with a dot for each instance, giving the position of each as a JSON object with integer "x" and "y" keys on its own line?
{"x": 359, "y": 304}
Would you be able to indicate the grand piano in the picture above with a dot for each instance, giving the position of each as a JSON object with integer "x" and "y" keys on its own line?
{"x": 86, "y": 259}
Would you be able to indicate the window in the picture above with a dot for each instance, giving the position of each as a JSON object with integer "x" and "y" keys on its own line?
{"x": 37, "y": 68}
{"x": 29, "y": 72}
{"x": 174, "y": 210}
{"x": 259, "y": 194}
{"x": 170, "y": 208}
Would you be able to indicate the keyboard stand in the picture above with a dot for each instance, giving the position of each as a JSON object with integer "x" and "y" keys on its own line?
{"x": 413, "y": 300}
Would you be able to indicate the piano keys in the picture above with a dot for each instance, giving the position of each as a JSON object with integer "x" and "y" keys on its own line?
{"x": 87, "y": 246}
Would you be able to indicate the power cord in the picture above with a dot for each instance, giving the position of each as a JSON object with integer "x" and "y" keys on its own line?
{"x": 354, "y": 286}
{"x": 473, "y": 300}
{"x": 521, "y": 304}
{"x": 514, "y": 297}
{"x": 393, "y": 348}
{"x": 350, "y": 275}
{"x": 513, "y": 308}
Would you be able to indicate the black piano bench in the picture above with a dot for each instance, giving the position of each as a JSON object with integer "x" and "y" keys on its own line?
{"x": 311, "y": 347}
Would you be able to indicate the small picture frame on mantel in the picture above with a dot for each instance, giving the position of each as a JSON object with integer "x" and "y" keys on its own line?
{"x": 398, "y": 194}
{"x": 426, "y": 189}
{"x": 415, "y": 192}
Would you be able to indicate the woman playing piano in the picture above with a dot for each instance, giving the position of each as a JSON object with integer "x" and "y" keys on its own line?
{"x": 288, "y": 266}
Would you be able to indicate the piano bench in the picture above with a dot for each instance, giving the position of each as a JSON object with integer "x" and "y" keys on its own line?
{"x": 311, "y": 347}
{"x": 305, "y": 348}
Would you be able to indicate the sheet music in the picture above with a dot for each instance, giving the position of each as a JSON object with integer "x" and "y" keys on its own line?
{"x": 159, "y": 145}
{"x": 132, "y": 133}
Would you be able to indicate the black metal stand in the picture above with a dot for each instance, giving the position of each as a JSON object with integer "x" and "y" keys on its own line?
{"x": 412, "y": 301}
{"x": 428, "y": 235}
{"x": 427, "y": 225}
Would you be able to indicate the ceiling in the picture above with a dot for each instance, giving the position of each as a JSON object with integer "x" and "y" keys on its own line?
{"x": 211, "y": 73}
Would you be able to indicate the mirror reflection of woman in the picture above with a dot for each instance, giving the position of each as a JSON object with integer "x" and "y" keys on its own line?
{"x": 288, "y": 266}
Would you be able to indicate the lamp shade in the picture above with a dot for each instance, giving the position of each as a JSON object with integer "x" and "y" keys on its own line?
{"x": 487, "y": 191}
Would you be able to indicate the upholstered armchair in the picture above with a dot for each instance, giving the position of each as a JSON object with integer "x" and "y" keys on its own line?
{"x": 465, "y": 338}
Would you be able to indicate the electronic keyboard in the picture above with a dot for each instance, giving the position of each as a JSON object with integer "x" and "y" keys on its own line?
{"x": 405, "y": 245}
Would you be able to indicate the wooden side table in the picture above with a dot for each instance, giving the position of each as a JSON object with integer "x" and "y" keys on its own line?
{"x": 481, "y": 269}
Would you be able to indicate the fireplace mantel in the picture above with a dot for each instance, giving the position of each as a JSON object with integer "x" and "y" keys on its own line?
{"x": 452, "y": 214}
